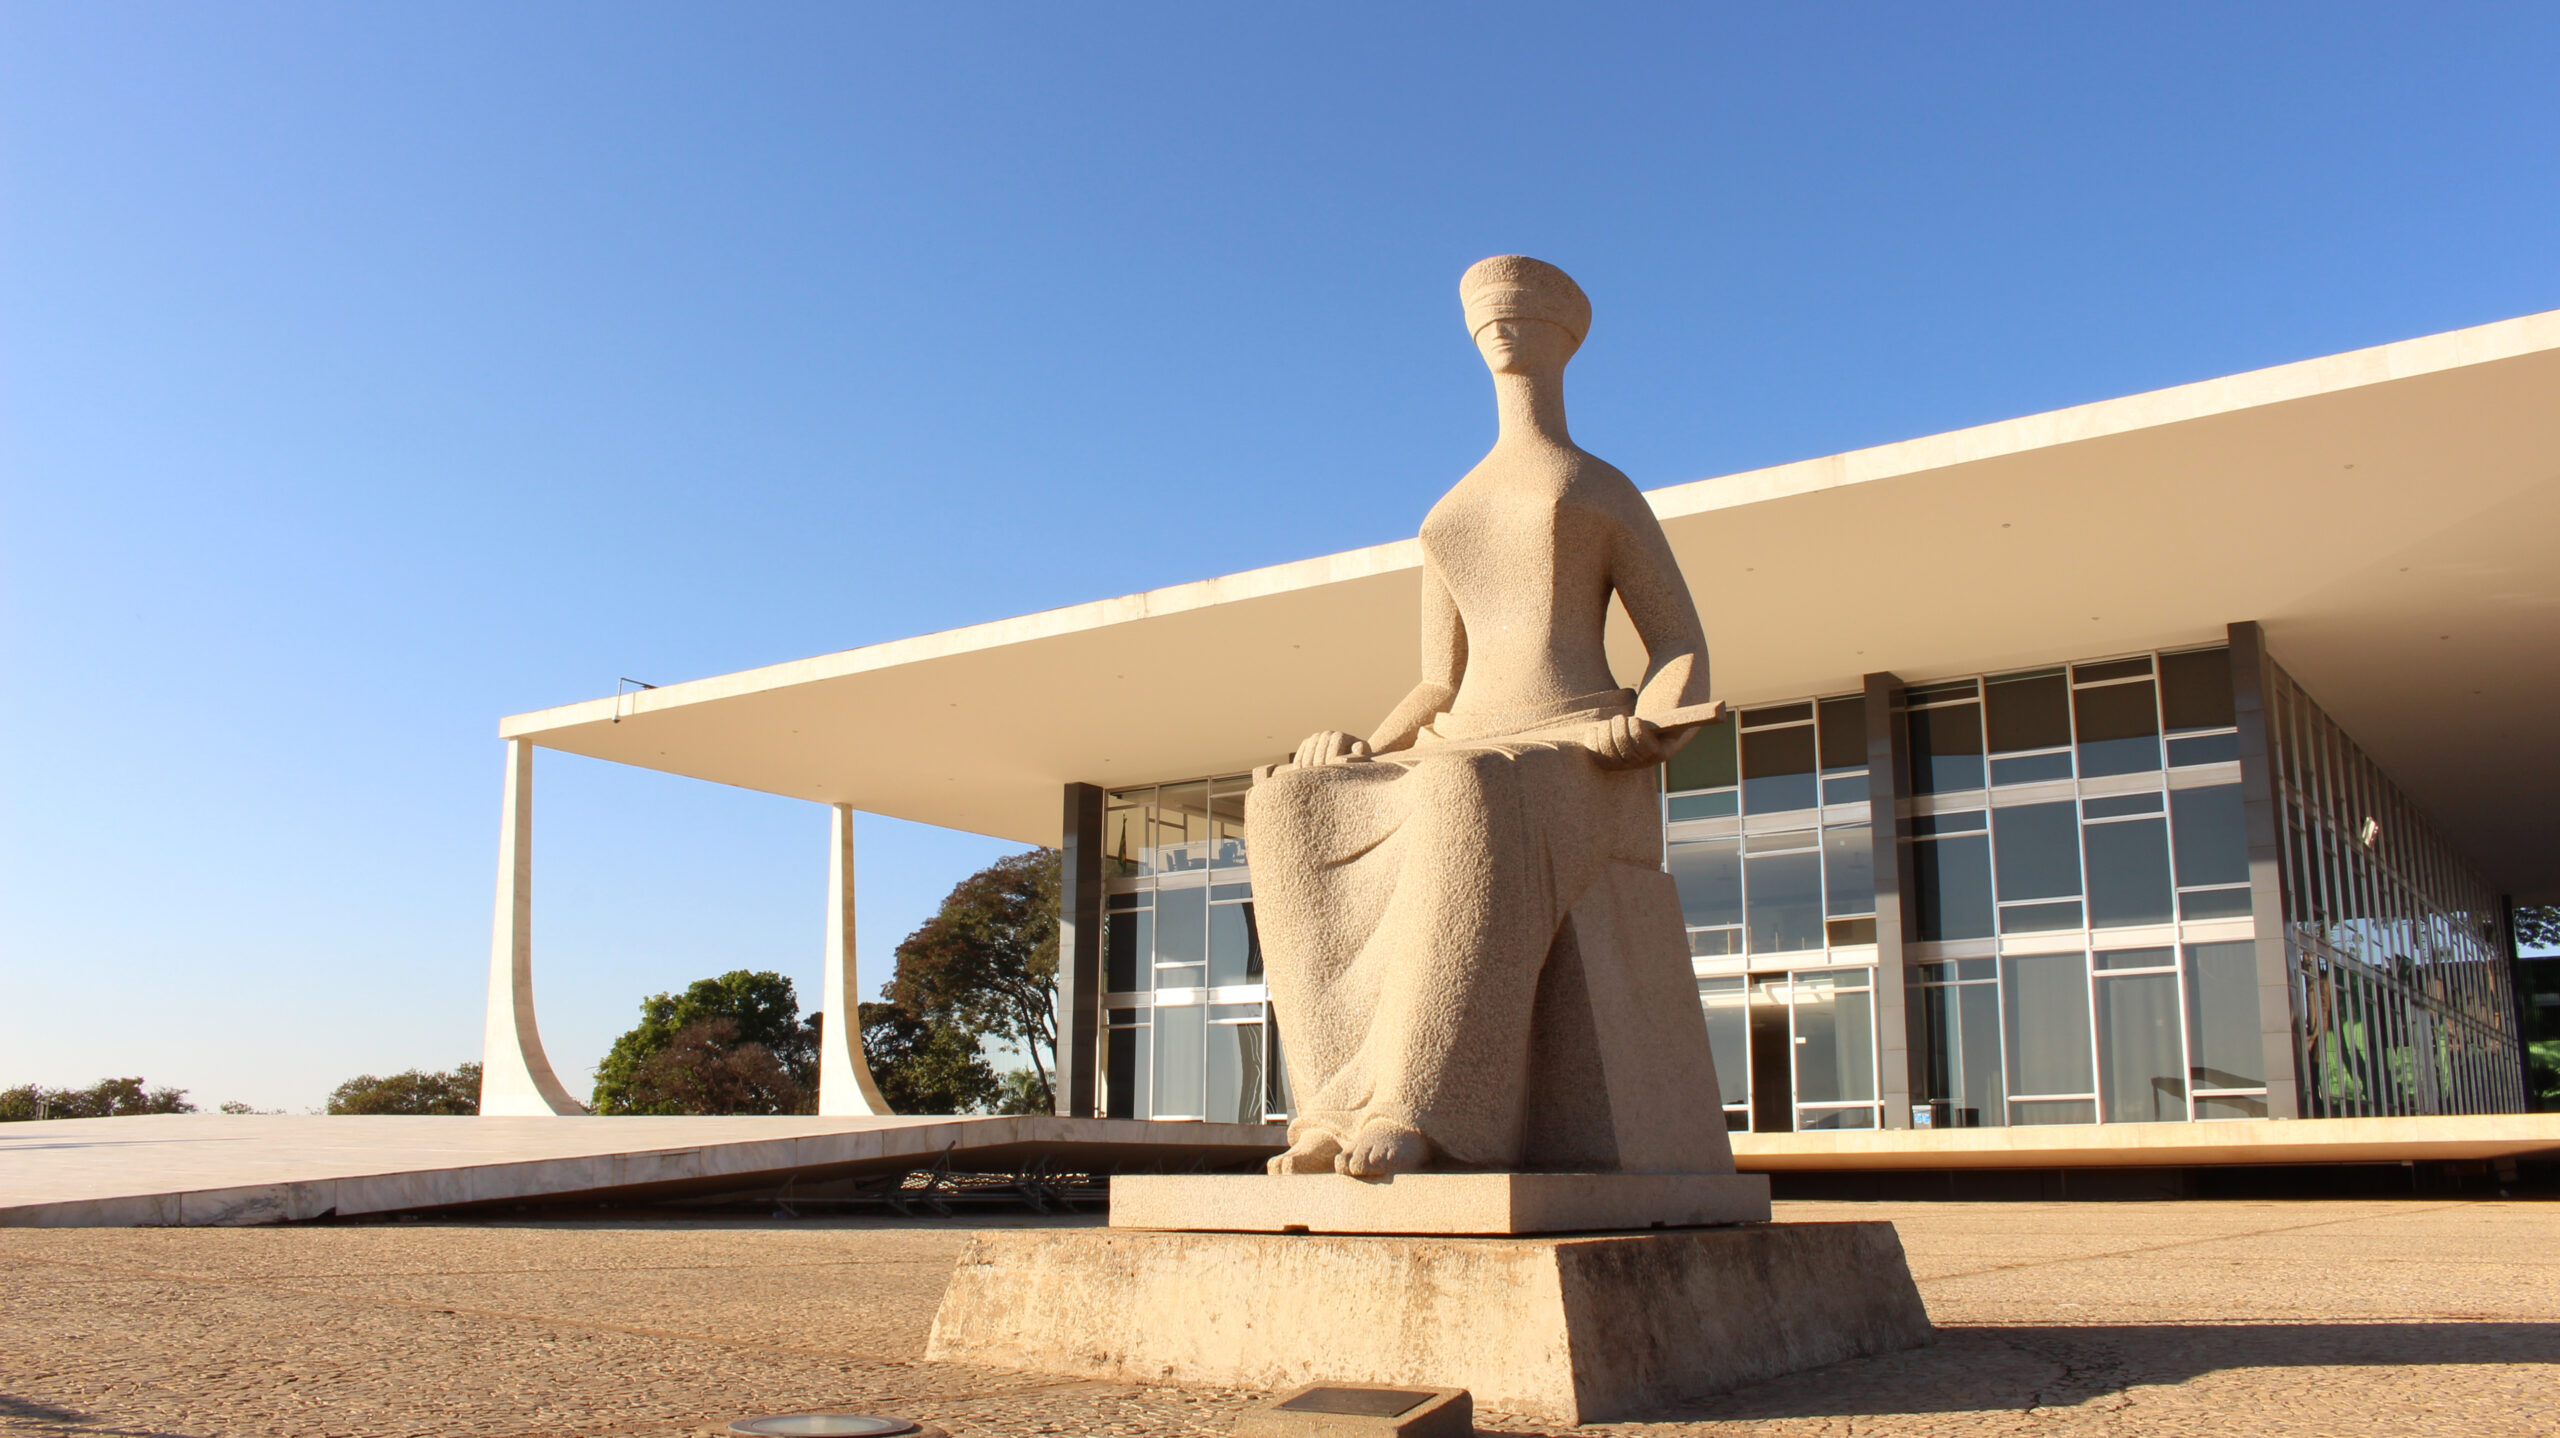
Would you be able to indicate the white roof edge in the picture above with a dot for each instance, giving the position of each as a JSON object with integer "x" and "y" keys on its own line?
{"x": 2300, "y": 379}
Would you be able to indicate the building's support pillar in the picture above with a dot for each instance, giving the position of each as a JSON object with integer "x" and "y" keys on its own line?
{"x": 1079, "y": 1067}
{"x": 1888, "y": 787}
{"x": 515, "y": 1077}
{"x": 2279, "y": 1027}
{"x": 845, "y": 1086}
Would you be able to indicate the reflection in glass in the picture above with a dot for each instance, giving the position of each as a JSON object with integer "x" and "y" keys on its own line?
{"x": 2038, "y": 859}
{"x": 2028, "y": 712}
{"x": 1705, "y": 762}
{"x": 1226, "y": 821}
{"x": 2128, "y": 864}
{"x": 2032, "y": 768}
{"x": 1714, "y": 943}
{"x": 1234, "y": 957}
{"x": 2141, "y": 1061}
{"x": 2044, "y": 918}
{"x": 2224, "y": 1049}
{"x": 1849, "y": 870}
{"x": 1728, "y": 1036}
{"x": 1181, "y": 1038}
{"x": 1235, "y": 1071}
{"x": 2045, "y": 1008}
{"x": 1845, "y": 933}
{"x": 1722, "y": 805}
{"x": 1946, "y": 749}
{"x": 2212, "y": 842}
{"x": 2214, "y": 904}
{"x": 1777, "y": 769}
{"x": 1125, "y": 1065}
{"x": 1182, "y": 827}
{"x": 1124, "y": 834}
{"x": 1128, "y": 942}
{"x": 2025, "y": 1112}
{"x": 1960, "y": 1054}
{"x": 2119, "y": 730}
{"x": 2203, "y": 749}
{"x": 1708, "y": 873}
{"x": 1785, "y": 901}
{"x": 1772, "y": 1059}
{"x": 1835, "y": 1036}
{"x": 1182, "y": 926}
{"x": 1951, "y": 882}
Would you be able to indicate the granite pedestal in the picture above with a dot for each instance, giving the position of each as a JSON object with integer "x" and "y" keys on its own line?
{"x": 1572, "y": 1329}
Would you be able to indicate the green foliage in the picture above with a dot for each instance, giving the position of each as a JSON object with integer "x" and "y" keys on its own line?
{"x": 1025, "y": 1092}
{"x": 765, "y": 1012}
{"x": 2542, "y": 1074}
{"x": 412, "y": 1091}
{"x": 986, "y": 965}
{"x": 107, "y": 1098}
{"x": 926, "y": 1067}
{"x": 707, "y": 1068}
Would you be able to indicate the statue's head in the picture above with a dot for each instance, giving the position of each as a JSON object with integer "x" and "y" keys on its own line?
{"x": 1526, "y": 315}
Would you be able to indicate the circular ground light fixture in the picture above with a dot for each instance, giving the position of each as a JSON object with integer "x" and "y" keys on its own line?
{"x": 830, "y": 1425}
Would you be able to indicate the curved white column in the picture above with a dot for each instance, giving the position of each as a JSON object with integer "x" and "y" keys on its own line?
{"x": 515, "y": 1077}
{"x": 845, "y": 1086}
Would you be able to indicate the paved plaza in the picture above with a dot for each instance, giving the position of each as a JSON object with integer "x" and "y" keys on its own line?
{"x": 2126, "y": 1318}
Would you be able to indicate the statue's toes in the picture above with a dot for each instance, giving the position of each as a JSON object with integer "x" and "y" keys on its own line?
{"x": 1382, "y": 1150}
{"x": 1317, "y": 1153}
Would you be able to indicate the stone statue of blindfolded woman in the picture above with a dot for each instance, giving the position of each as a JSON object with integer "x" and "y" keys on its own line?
{"x": 1475, "y": 958}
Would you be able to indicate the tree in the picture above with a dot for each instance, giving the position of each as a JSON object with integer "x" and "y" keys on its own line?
{"x": 987, "y": 963}
{"x": 707, "y": 1068}
{"x": 2538, "y": 928}
{"x": 410, "y": 1091}
{"x": 926, "y": 1067}
{"x": 763, "y": 1006}
{"x": 107, "y": 1098}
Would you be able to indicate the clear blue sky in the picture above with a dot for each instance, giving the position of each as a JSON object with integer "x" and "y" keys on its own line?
{"x": 369, "y": 372}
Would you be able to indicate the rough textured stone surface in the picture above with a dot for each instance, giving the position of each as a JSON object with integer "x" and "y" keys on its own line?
{"x": 2095, "y": 1320}
{"x": 1319, "y": 1410}
{"x": 1474, "y": 955}
{"x": 1445, "y": 1203}
{"x": 1573, "y": 1329}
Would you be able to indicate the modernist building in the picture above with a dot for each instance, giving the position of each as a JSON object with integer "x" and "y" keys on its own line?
{"x": 2172, "y": 759}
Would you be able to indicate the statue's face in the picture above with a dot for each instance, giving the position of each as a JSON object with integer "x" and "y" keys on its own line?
{"x": 1520, "y": 346}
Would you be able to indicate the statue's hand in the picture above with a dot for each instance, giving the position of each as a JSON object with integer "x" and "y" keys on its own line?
{"x": 1331, "y": 746}
{"x": 1625, "y": 742}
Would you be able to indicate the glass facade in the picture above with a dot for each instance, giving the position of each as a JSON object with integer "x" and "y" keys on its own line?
{"x": 2072, "y": 894}
{"x": 2397, "y": 950}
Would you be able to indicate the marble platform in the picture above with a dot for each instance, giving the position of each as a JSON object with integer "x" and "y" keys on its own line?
{"x": 1437, "y": 1203}
{"x": 227, "y": 1169}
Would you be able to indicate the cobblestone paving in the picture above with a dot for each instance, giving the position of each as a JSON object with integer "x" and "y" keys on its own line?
{"x": 2066, "y": 1319}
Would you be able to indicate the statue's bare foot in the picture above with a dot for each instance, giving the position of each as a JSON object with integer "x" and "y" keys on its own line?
{"x": 1316, "y": 1153}
{"x": 1381, "y": 1148}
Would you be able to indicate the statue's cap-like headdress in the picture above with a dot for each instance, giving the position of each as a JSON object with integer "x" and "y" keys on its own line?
{"x": 1516, "y": 287}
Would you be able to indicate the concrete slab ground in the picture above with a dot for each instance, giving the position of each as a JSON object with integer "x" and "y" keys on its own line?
{"x": 2304, "y": 1318}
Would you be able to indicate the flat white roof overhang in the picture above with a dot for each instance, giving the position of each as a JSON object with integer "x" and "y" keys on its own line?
{"x": 2390, "y": 515}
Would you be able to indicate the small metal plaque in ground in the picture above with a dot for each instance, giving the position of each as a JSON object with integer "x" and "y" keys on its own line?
{"x": 833, "y": 1425}
{"x": 1347, "y": 1409}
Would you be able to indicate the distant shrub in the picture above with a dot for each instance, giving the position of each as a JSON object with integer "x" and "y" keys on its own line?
{"x": 413, "y": 1091}
{"x": 107, "y": 1098}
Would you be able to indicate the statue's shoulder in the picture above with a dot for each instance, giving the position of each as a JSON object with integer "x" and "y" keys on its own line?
{"x": 1604, "y": 489}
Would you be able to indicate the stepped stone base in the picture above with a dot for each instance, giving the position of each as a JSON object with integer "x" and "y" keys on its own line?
{"x": 1577, "y": 1330}
{"x": 1450, "y": 1203}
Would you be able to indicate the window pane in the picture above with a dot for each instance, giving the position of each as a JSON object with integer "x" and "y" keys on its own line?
{"x": 1777, "y": 770}
{"x": 1182, "y": 926}
{"x": 2119, "y": 730}
{"x": 1234, "y": 957}
{"x": 1181, "y": 1036}
{"x": 2138, "y": 1048}
{"x": 1843, "y": 933}
{"x": 2029, "y": 713}
{"x": 2212, "y": 844}
{"x": 1837, "y": 1118}
{"x": 2159, "y": 958}
{"x": 2224, "y": 1049}
{"x": 1235, "y": 1073}
{"x": 1709, "y": 875}
{"x": 2214, "y": 904}
{"x": 1728, "y": 1036}
{"x": 1714, "y": 943}
{"x": 2230, "y": 1106}
{"x": 1124, "y": 836}
{"x": 1849, "y": 869}
{"x": 1124, "y": 1070}
{"x": 2069, "y": 1111}
{"x": 1952, "y": 879}
{"x": 1182, "y": 827}
{"x": 1785, "y": 896}
{"x": 2032, "y": 769}
{"x": 1843, "y": 725}
{"x": 1226, "y": 822}
{"x": 2045, "y": 1003}
{"x": 2128, "y": 873}
{"x": 1946, "y": 749}
{"x": 1128, "y": 939}
{"x": 2040, "y": 918}
{"x": 1772, "y": 1059}
{"x": 1706, "y": 762}
{"x": 1835, "y": 1042}
{"x": 1275, "y": 1075}
{"x": 2110, "y": 669}
{"x": 1978, "y": 1103}
{"x": 2195, "y": 690}
{"x": 1704, "y": 806}
{"x": 2037, "y": 858}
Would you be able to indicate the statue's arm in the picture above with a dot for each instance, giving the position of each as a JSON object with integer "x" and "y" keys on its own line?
{"x": 1444, "y": 663}
{"x": 1648, "y": 581}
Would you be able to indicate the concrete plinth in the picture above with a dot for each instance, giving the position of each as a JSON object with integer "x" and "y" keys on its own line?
{"x": 1475, "y": 1204}
{"x": 1577, "y": 1330}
